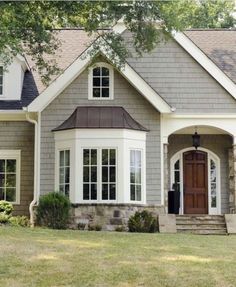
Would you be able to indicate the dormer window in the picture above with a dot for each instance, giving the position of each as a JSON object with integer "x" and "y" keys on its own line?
{"x": 1, "y": 80}
{"x": 101, "y": 82}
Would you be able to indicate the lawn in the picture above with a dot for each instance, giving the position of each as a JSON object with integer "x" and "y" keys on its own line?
{"x": 41, "y": 257}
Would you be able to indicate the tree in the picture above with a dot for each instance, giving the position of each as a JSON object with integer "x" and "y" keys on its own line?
{"x": 27, "y": 27}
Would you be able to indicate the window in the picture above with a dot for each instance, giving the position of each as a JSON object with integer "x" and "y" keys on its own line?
{"x": 9, "y": 176}
{"x": 64, "y": 172}
{"x": 135, "y": 175}
{"x": 95, "y": 162}
{"x": 90, "y": 174}
{"x": 101, "y": 82}
{"x": 108, "y": 174}
{"x": 1, "y": 80}
{"x": 176, "y": 183}
{"x": 213, "y": 183}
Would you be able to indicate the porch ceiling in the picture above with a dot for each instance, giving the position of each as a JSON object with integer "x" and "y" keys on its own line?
{"x": 201, "y": 130}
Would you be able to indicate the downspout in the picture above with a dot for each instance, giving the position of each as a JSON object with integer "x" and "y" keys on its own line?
{"x": 35, "y": 198}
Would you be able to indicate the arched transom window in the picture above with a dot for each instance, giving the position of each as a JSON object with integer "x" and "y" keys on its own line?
{"x": 101, "y": 82}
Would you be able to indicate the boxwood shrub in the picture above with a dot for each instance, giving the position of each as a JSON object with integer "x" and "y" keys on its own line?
{"x": 53, "y": 211}
{"x": 142, "y": 221}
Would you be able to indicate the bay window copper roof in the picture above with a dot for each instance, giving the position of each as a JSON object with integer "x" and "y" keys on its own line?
{"x": 96, "y": 117}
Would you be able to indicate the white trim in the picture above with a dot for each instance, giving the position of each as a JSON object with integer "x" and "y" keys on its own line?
{"x": 111, "y": 81}
{"x": 210, "y": 155}
{"x": 79, "y": 65}
{"x": 206, "y": 63}
{"x": 119, "y": 27}
{"x": 16, "y": 155}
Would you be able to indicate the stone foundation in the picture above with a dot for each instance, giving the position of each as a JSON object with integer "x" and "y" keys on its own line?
{"x": 108, "y": 216}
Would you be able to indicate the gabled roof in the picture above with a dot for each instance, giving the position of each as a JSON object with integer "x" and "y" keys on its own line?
{"x": 103, "y": 117}
{"x": 219, "y": 45}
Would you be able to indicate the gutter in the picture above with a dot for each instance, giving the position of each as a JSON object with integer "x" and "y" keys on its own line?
{"x": 36, "y": 147}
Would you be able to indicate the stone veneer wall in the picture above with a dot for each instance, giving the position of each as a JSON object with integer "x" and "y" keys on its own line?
{"x": 108, "y": 216}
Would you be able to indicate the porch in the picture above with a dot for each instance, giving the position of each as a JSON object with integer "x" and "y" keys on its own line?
{"x": 205, "y": 177}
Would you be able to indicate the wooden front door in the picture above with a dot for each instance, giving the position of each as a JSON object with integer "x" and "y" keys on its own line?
{"x": 195, "y": 182}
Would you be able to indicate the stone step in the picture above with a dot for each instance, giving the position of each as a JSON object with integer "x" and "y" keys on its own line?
{"x": 222, "y": 231}
{"x": 200, "y": 222}
{"x": 201, "y": 226}
{"x": 200, "y": 217}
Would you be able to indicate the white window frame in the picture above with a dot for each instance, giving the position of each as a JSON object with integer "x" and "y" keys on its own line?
{"x": 210, "y": 156}
{"x": 59, "y": 166}
{"x": 15, "y": 155}
{"x": 142, "y": 176}
{"x": 111, "y": 81}
{"x": 99, "y": 174}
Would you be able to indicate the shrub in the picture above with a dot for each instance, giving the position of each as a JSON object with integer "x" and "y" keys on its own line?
{"x": 22, "y": 221}
{"x": 6, "y": 207}
{"x": 53, "y": 210}
{"x": 95, "y": 227}
{"x": 120, "y": 228}
{"x": 142, "y": 221}
{"x": 4, "y": 218}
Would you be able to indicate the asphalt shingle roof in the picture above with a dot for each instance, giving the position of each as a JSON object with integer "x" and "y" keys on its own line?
{"x": 218, "y": 45}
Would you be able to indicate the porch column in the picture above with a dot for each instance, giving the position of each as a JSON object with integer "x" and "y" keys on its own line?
{"x": 232, "y": 179}
{"x": 166, "y": 175}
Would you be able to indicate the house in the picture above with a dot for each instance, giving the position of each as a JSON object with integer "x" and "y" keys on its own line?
{"x": 115, "y": 141}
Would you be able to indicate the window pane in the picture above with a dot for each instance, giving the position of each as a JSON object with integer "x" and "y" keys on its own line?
{"x": 86, "y": 174}
{"x": 105, "y": 174}
{"x": 11, "y": 180}
{"x": 112, "y": 174}
{"x": 2, "y": 165}
{"x": 86, "y": 156}
{"x": 96, "y": 71}
{"x": 61, "y": 188}
{"x": 1, "y": 193}
{"x": 177, "y": 165}
{"x": 177, "y": 179}
{"x": 93, "y": 157}
{"x": 105, "y": 156}
{"x": 105, "y": 92}
{"x": 10, "y": 194}
{"x": 138, "y": 158}
{"x": 67, "y": 190}
{"x": 96, "y": 92}
{"x": 105, "y": 192}
{"x": 62, "y": 163}
{"x": 93, "y": 191}
{"x": 93, "y": 174}
{"x": 67, "y": 175}
{"x": 138, "y": 175}
{"x": 112, "y": 156}
{"x": 105, "y": 82}
{"x": 67, "y": 157}
{"x": 0, "y": 90}
{"x": 112, "y": 191}
{"x": 1, "y": 70}
{"x": 86, "y": 191}
{"x": 132, "y": 157}
{"x": 132, "y": 192}
{"x": 105, "y": 71}
{"x": 11, "y": 165}
{"x": 61, "y": 176}
{"x": 96, "y": 82}
{"x": 1, "y": 80}
{"x": 138, "y": 192}
{"x": 132, "y": 175}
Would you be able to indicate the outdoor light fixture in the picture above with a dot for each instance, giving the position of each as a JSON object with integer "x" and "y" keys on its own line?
{"x": 196, "y": 139}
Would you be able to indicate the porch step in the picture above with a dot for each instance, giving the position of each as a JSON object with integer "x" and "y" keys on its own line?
{"x": 201, "y": 224}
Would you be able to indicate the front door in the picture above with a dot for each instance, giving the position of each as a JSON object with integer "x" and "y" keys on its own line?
{"x": 195, "y": 182}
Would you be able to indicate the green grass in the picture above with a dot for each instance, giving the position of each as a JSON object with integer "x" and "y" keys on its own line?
{"x": 41, "y": 257}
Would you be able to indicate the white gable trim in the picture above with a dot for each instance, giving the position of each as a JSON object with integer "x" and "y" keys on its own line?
{"x": 79, "y": 65}
{"x": 206, "y": 63}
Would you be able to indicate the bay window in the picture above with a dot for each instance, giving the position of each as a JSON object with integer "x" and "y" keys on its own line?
{"x": 64, "y": 172}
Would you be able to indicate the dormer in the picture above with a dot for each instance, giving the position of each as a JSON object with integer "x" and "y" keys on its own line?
{"x": 11, "y": 79}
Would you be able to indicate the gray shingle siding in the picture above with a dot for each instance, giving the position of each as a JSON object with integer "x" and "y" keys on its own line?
{"x": 219, "y": 144}
{"x": 20, "y": 135}
{"x": 181, "y": 81}
{"x": 124, "y": 95}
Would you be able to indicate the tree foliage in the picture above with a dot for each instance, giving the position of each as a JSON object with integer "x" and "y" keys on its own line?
{"x": 27, "y": 27}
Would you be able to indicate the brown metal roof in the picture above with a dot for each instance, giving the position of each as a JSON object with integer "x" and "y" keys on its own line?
{"x": 104, "y": 117}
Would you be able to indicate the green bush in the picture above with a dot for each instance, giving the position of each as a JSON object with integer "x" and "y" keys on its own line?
{"x": 53, "y": 210}
{"x": 94, "y": 227}
{"x": 4, "y": 218}
{"x": 142, "y": 221}
{"x": 6, "y": 207}
{"x": 22, "y": 221}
